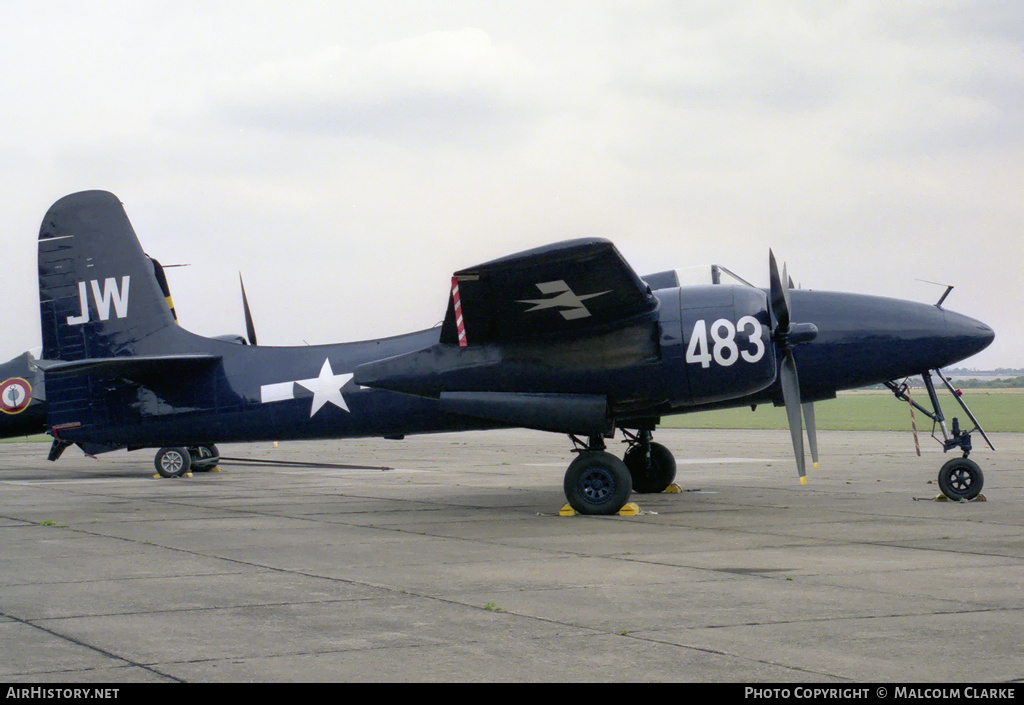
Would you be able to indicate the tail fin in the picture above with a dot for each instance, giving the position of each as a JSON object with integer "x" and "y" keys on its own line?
{"x": 98, "y": 294}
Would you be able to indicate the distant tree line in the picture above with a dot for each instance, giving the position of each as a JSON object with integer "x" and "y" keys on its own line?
{"x": 1008, "y": 378}
{"x": 1007, "y": 383}
{"x": 1008, "y": 371}
{"x": 965, "y": 378}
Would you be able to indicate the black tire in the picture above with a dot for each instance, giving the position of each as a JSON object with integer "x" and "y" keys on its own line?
{"x": 205, "y": 458}
{"x": 650, "y": 477}
{"x": 961, "y": 479}
{"x": 173, "y": 462}
{"x": 597, "y": 483}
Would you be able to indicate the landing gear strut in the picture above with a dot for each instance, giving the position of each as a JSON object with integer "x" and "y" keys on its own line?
{"x": 960, "y": 478}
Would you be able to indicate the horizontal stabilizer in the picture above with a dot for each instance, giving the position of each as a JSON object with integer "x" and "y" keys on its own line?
{"x": 137, "y": 368}
{"x": 569, "y": 288}
{"x": 561, "y": 413}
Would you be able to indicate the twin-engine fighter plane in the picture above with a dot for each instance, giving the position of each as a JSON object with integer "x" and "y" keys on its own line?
{"x": 565, "y": 338}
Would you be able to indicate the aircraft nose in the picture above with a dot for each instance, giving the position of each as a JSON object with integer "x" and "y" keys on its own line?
{"x": 966, "y": 336}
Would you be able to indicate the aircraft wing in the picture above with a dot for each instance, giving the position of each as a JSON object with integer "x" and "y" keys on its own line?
{"x": 537, "y": 339}
{"x": 577, "y": 287}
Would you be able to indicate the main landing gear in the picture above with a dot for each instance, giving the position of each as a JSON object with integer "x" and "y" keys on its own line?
{"x": 175, "y": 461}
{"x": 960, "y": 479}
{"x": 597, "y": 482}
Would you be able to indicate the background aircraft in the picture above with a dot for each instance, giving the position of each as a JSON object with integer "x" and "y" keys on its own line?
{"x": 565, "y": 338}
{"x": 22, "y": 397}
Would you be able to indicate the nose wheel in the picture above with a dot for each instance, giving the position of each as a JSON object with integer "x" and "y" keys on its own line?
{"x": 961, "y": 479}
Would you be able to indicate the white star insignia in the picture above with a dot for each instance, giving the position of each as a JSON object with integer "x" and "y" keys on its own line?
{"x": 326, "y": 388}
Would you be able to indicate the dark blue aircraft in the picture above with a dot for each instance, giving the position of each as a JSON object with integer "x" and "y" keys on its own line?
{"x": 565, "y": 338}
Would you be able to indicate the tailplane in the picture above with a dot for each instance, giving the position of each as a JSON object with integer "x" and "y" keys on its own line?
{"x": 99, "y": 296}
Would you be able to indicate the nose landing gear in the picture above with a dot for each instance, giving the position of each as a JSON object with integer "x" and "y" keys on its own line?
{"x": 960, "y": 479}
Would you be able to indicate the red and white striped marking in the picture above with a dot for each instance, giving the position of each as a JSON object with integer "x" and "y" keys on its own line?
{"x": 459, "y": 323}
{"x": 913, "y": 422}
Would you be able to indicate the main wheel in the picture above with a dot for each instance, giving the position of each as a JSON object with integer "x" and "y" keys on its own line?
{"x": 653, "y": 476}
{"x": 597, "y": 483}
{"x": 961, "y": 478}
{"x": 173, "y": 462}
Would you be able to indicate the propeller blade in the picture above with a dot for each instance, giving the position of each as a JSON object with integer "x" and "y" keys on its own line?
{"x": 779, "y": 294}
{"x": 250, "y": 329}
{"x": 786, "y": 337}
{"x": 791, "y": 396}
{"x": 812, "y": 431}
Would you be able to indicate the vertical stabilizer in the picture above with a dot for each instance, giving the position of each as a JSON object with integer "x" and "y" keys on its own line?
{"x": 98, "y": 295}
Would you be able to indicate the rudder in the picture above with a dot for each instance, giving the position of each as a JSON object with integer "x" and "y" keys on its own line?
{"x": 98, "y": 295}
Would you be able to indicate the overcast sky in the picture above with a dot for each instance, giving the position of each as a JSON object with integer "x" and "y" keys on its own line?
{"x": 347, "y": 157}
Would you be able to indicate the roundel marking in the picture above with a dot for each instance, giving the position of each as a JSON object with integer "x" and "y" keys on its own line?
{"x": 15, "y": 395}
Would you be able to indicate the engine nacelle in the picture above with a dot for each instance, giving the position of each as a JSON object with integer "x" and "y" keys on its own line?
{"x": 717, "y": 340}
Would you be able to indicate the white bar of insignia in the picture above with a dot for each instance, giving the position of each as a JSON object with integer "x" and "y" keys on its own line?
{"x": 277, "y": 392}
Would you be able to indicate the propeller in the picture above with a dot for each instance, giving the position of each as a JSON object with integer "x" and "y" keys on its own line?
{"x": 250, "y": 329}
{"x": 787, "y": 336}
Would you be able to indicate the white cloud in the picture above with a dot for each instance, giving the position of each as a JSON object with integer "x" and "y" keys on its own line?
{"x": 442, "y": 86}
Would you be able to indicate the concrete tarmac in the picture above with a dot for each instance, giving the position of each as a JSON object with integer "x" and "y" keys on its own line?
{"x": 455, "y": 566}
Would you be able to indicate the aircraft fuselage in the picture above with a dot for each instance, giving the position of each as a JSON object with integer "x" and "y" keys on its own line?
{"x": 268, "y": 393}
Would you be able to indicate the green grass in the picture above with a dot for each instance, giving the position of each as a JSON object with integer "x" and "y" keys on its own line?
{"x": 998, "y": 411}
{"x": 22, "y": 439}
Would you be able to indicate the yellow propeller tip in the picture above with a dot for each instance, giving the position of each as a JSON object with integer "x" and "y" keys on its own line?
{"x": 803, "y": 480}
